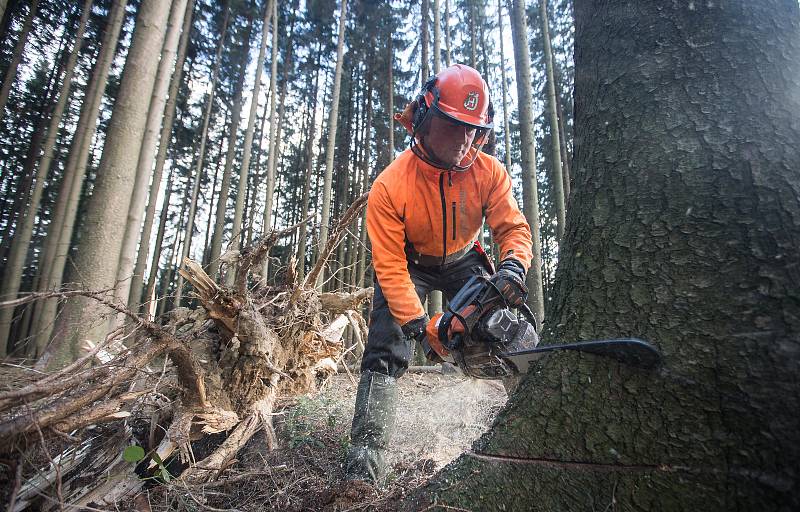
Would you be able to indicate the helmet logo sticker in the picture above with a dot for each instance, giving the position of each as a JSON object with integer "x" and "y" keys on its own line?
{"x": 471, "y": 103}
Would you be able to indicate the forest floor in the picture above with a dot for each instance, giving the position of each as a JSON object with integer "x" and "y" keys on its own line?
{"x": 439, "y": 417}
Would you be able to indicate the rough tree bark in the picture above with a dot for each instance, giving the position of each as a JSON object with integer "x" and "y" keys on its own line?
{"x": 530, "y": 192}
{"x": 101, "y": 234}
{"x": 683, "y": 228}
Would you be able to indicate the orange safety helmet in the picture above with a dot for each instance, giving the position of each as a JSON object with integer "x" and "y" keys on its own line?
{"x": 457, "y": 94}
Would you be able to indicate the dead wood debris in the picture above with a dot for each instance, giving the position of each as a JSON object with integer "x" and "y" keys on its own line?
{"x": 191, "y": 392}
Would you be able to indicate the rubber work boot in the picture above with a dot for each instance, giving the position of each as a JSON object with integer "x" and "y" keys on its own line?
{"x": 373, "y": 424}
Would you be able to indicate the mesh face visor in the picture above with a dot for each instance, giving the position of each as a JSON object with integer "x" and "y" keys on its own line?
{"x": 481, "y": 137}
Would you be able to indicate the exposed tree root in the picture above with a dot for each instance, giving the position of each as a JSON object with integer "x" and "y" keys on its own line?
{"x": 176, "y": 387}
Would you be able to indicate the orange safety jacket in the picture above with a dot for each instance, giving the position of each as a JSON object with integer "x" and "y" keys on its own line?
{"x": 439, "y": 213}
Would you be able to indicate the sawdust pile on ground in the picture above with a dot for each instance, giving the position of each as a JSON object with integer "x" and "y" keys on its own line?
{"x": 439, "y": 417}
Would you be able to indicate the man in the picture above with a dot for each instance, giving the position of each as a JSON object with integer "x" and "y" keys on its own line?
{"x": 424, "y": 213}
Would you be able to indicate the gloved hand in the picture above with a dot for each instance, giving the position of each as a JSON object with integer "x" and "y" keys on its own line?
{"x": 416, "y": 330}
{"x": 510, "y": 281}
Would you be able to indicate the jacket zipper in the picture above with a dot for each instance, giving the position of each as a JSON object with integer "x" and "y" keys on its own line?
{"x": 454, "y": 220}
{"x": 444, "y": 218}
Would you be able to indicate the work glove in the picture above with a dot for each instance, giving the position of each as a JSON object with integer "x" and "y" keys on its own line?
{"x": 415, "y": 330}
{"x": 510, "y": 282}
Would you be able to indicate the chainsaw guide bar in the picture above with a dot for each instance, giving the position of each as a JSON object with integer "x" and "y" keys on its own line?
{"x": 628, "y": 351}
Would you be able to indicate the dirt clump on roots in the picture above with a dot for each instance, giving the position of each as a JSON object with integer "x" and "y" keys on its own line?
{"x": 438, "y": 418}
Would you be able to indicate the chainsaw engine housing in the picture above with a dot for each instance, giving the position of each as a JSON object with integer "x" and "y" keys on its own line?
{"x": 477, "y": 328}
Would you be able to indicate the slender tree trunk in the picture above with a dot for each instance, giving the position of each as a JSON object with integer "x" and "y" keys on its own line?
{"x": 224, "y": 192}
{"x": 200, "y": 155}
{"x": 506, "y": 129}
{"x": 425, "y": 8}
{"x": 684, "y": 235}
{"x": 101, "y": 234}
{"x": 566, "y": 158}
{"x": 530, "y": 193}
{"x": 236, "y": 241}
{"x": 473, "y": 50}
{"x": 448, "y": 58}
{"x": 3, "y": 4}
{"x": 62, "y": 222}
{"x": 556, "y": 183}
{"x": 301, "y": 238}
{"x": 210, "y": 220}
{"x": 437, "y": 38}
{"x": 157, "y": 248}
{"x": 390, "y": 94}
{"x": 16, "y": 57}
{"x": 12, "y": 276}
{"x": 273, "y": 142}
{"x": 181, "y": 10}
{"x": 333, "y": 119}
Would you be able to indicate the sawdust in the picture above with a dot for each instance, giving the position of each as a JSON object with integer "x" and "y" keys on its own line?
{"x": 439, "y": 417}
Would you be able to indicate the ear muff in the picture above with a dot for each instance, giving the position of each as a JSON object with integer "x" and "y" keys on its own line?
{"x": 421, "y": 107}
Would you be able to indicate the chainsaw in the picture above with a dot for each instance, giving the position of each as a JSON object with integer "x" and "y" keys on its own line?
{"x": 483, "y": 335}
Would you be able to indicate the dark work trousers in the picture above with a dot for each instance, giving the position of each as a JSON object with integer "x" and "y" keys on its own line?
{"x": 388, "y": 351}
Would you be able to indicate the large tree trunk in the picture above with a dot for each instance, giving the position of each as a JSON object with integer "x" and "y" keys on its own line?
{"x": 62, "y": 222}
{"x": 12, "y": 276}
{"x": 530, "y": 192}
{"x": 144, "y": 169}
{"x": 102, "y": 230}
{"x": 333, "y": 119}
{"x": 556, "y": 183}
{"x": 16, "y": 57}
{"x": 683, "y": 229}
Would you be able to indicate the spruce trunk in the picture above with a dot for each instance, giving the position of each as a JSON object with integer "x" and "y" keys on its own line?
{"x": 62, "y": 222}
{"x": 333, "y": 119}
{"x": 101, "y": 234}
{"x": 244, "y": 170}
{"x": 12, "y": 275}
{"x": 683, "y": 229}
{"x": 530, "y": 192}
{"x": 200, "y": 157}
{"x": 272, "y": 158}
{"x": 506, "y": 129}
{"x": 556, "y": 183}
{"x": 16, "y": 57}
{"x": 144, "y": 169}
{"x": 224, "y": 191}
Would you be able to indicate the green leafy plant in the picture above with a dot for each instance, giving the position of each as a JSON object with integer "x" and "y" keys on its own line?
{"x": 135, "y": 454}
